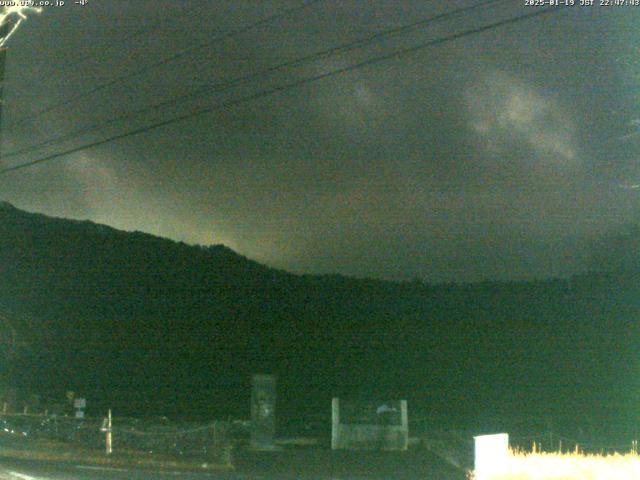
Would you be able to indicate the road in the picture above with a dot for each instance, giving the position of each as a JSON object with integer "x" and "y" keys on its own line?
{"x": 30, "y": 470}
{"x": 297, "y": 465}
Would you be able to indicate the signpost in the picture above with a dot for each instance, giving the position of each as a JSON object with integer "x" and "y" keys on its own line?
{"x": 106, "y": 427}
{"x": 79, "y": 404}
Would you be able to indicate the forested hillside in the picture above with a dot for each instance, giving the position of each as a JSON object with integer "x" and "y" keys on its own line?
{"x": 147, "y": 324}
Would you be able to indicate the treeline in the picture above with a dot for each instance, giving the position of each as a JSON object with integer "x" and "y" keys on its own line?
{"x": 145, "y": 324}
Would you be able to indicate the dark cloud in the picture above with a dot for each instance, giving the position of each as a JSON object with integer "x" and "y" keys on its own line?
{"x": 494, "y": 155}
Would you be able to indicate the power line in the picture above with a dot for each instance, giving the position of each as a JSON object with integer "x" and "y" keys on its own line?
{"x": 164, "y": 61}
{"x": 147, "y": 29}
{"x": 287, "y": 86}
{"x": 222, "y": 86}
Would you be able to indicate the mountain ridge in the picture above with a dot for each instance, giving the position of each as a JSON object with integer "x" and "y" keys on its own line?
{"x": 140, "y": 323}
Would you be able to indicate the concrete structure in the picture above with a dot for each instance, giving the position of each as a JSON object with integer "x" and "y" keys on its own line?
{"x": 386, "y": 427}
{"x": 263, "y": 412}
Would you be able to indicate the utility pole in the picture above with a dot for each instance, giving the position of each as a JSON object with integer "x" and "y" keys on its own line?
{"x": 10, "y": 19}
{"x": 3, "y": 57}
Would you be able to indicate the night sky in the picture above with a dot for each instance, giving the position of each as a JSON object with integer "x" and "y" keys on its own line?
{"x": 497, "y": 155}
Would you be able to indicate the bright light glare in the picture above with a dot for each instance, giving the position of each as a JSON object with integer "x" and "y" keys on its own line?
{"x": 21, "y": 13}
{"x": 492, "y": 453}
{"x": 565, "y": 466}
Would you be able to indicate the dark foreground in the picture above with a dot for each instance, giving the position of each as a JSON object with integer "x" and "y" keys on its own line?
{"x": 292, "y": 463}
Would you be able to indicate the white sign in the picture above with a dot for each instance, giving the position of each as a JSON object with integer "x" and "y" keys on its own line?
{"x": 492, "y": 453}
{"x": 80, "y": 403}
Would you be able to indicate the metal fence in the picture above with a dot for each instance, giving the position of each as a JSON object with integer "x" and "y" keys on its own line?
{"x": 158, "y": 436}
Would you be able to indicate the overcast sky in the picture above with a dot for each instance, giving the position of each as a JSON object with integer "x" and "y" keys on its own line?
{"x": 492, "y": 156}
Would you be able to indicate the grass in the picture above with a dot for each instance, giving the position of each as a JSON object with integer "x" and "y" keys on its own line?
{"x": 566, "y": 466}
